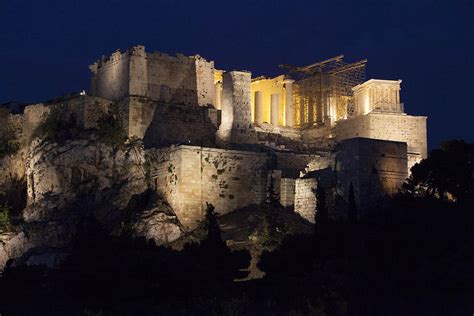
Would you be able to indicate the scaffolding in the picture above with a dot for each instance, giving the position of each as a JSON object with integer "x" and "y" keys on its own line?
{"x": 323, "y": 90}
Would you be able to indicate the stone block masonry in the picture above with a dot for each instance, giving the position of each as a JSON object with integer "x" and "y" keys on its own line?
{"x": 189, "y": 176}
{"x": 375, "y": 168}
{"x": 160, "y": 124}
{"x": 236, "y": 112}
{"x": 174, "y": 79}
{"x": 305, "y": 199}
{"x": 385, "y": 126}
{"x": 287, "y": 192}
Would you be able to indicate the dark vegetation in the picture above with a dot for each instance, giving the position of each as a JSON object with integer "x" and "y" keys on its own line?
{"x": 61, "y": 125}
{"x": 12, "y": 202}
{"x": 414, "y": 257}
{"x": 8, "y": 144}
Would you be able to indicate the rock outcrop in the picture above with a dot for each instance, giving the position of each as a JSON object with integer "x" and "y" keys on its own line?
{"x": 83, "y": 179}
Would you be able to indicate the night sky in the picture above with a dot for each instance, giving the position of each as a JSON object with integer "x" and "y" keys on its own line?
{"x": 46, "y": 46}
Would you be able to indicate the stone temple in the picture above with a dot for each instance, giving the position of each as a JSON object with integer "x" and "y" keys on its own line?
{"x": 229, "y": 139}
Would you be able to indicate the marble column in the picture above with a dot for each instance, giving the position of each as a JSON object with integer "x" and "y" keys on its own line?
{"x": 302, "y": 112}
{"x": 258, "y": 99}
{"x": 288, "y": 102}
{"x": 217, "y": 95}
{"x": 274, "y": 109}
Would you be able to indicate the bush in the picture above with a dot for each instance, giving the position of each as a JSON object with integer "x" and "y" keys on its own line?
{"x": 57, "y": 126}
{"x": 5, "y": 217}
{"x": 8, "y": 146}
{"x": 110, "y": 128}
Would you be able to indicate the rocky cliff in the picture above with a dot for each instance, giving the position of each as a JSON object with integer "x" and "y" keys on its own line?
{"x": 74, "y": 182}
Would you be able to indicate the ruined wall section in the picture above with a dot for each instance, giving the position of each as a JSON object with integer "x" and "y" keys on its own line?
{"x": 375, "y": 168}
{"x": 287, "y": 192}
{"x": 402, "y": 128}
{"x": 293, "y": 165}
{"x": 236, "y": 111}
{"x": 305, "y": 199}
{"x": 138, "y": 79}
{"x": 161, "y": 124}
{"x": 190, "y": 176}
{"x": 391, "y": 127}
{"x": 175, "y": 79}
{"x": 111, "y": 76}
{"x": 205, "y": 81}
{"x": 172, "y": 79}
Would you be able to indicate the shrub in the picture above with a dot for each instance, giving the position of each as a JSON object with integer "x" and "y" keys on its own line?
{"x": 110, "y": 128}
{"x": 5, "y": 217}
{"x": 8, "y": 146}
{"x": 49, "y": 126}
{"x": 57, "y": 126}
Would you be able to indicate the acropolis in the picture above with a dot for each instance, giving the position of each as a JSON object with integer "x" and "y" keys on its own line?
{"x": 227, "y": 138}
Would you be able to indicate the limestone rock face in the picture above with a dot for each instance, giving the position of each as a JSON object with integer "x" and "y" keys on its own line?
{"x": 158, "y": 222}
{"x": 12, "y": 245}
{"x": 86, "y": 170}
{"x": 80, "y": 180}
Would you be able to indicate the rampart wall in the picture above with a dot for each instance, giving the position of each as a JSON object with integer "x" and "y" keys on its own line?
{"x": 173, "y": 79}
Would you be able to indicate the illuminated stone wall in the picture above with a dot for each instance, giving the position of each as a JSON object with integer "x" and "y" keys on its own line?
{"x": 161, "y": 124}
{"x": 171, "y": 79}
{"x": 236, "y": 111}
{"x": 176, "y": 79}
{"x": 386, "y": 126}
{"x": 305, "y": 200}
{"x": 375, "y": 168}
{"x": 287, "y": 192}
{"x": 189, "y": 176}
{"x": 110, "y": 76}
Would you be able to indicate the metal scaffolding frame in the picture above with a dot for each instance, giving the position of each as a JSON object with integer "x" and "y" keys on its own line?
{"x": 324, "y": 81}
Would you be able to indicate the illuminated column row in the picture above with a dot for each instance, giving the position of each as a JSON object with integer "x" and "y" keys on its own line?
{"x": 289, "y": 102}
{"x": 274, "y": 109}
{"x": 258, "y": 107}
{"x": 218, "y": 95}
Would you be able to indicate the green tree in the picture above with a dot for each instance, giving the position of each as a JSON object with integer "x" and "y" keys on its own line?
{"x": 213, "y": 237}
{"x": 321, "y": 214}
{"x": 448, "y": 173}
{"x": 352, "y": 207}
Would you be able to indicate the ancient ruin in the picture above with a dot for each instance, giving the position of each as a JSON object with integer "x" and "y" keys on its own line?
{"x": 226, "y": 138}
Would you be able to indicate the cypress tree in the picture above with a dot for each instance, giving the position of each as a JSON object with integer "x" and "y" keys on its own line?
{"x": 352, "y": 207}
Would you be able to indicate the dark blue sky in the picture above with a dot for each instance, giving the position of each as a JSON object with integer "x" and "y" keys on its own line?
{"x": 46, "y": 46}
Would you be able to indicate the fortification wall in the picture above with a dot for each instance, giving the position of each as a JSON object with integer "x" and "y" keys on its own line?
{"x": 375, "y": 168}
{"x": 305, "y": 199}
{"x": 401, "y": 128}
{"x": 172, "y": 79}
{"x": 138, "y": 80}
{"x": 236, "y": 112}
{"x": 176, "y": 79}
{"x": 190, "y": 176}
{"x": 205, "y": 81}
{"x": 287, "y": 192}
{"x": 293, "y": 164}
{"x": 385, "y": 126}
{"x": 160, "y": 124}
{"x": 32, "y": 117}
{"x": 111, "y": 76}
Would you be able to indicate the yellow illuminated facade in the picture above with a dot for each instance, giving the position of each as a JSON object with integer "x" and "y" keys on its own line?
{"x": 269, "y": 86}
{"x": 218, "y": 88}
